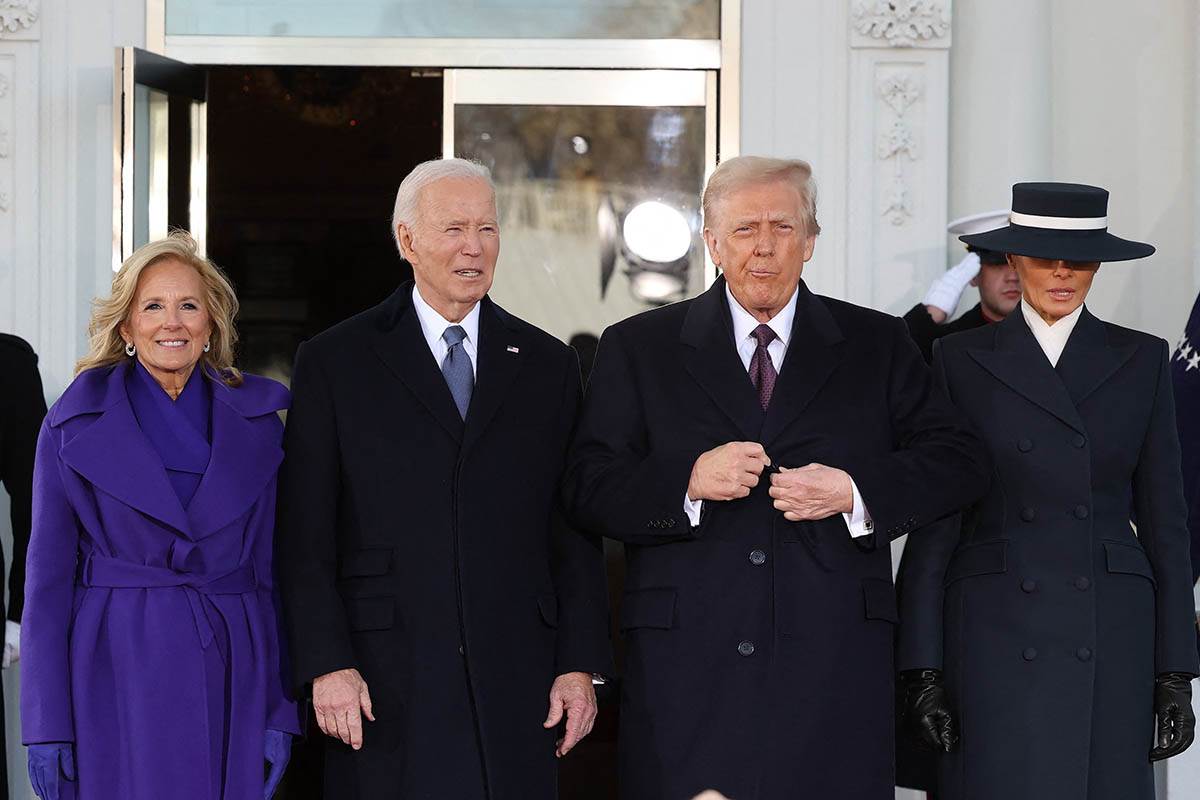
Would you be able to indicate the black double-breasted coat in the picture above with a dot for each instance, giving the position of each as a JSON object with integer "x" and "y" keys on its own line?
{"x": 1048, "y": 610}
{"x": 430, "y": 553}
{"x": 759, "y": 651}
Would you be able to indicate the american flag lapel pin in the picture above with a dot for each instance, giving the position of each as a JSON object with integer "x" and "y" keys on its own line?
{"x": 513, "y": 349}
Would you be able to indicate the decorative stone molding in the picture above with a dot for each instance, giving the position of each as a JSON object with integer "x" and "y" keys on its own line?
{"x": 898, "y": 141}
{"x": 17, "y": 15}
{"x": 901, "y": 23}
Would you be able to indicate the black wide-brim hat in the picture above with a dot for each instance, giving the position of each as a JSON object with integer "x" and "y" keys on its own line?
{"x": 1059, "y": 220}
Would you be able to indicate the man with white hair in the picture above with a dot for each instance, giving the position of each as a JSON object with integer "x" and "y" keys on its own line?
{"x": 756, "y": 448}
{"x": 429, "y": 583}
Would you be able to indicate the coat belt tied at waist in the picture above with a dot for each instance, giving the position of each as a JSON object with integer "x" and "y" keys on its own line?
{"x": 114, "y": 573}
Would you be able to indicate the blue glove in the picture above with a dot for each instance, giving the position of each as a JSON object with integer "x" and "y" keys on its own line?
{"x": 277, "y": 749}
{"x": 48, "y": 765}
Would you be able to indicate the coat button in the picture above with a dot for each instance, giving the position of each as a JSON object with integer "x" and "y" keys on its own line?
{"x": 1028, "y": 585}
{"x": 746, "y": 648}
{"x": 758, "y": 558}
{"x": 1081, "y": 512}
{"x": 1029, "y": 654}
{"x": 1025, "y": 445}
{"x": 1083, "y": 654}
{"x": 1028, "y": 514}
{"x": 1082, "y": 583}
{"x": 1079, "y": 441}
{"x": 461, "y": 652}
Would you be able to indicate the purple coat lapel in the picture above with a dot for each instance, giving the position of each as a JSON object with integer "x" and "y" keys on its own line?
{"x": 111, "y": 452}
{"x": 114, "y": 455}
{"x": 245, "y": 453}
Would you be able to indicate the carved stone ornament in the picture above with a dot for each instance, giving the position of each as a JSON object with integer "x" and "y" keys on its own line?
{"x": 17, "y": 15}
{"x": 901, "y": 23}
{"x": 898, "y": 141}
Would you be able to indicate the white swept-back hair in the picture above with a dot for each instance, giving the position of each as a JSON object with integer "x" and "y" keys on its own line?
{"x": 408, "y": 196}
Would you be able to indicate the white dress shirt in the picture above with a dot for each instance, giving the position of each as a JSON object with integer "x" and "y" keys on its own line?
{"x": 433, "y": 325}
{"x": 1051, "y": 338}
{"x": 858, "y": 520}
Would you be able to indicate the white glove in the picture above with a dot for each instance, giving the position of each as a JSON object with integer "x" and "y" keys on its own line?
{"x": 12, "y": 644}
{"x": 945, "y": 292}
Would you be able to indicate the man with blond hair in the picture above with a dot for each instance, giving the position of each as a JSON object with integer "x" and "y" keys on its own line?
{"x": 756, "y": 448}
{"x": 442, "y": 616}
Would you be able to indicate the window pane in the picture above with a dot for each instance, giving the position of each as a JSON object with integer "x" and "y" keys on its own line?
{"x": 484, "y": 19}
{"x": 599, "y": 208}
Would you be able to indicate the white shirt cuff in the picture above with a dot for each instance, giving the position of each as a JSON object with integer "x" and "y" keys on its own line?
{"x": 859, "y": 519}
{"x": 692, "y": 508}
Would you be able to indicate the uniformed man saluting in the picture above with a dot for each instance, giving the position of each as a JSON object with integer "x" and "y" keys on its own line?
{"x": 987, "y": 270}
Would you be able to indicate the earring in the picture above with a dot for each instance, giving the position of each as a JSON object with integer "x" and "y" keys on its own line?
{"x": 207, "y": 346}
{"x": 130, "y": 350}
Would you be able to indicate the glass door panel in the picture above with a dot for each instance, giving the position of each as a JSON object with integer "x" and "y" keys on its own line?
{"x": 598, "y": 177}
{"x": 158, "y": 149}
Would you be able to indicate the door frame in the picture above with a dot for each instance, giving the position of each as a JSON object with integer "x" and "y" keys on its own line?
{"x": 722, "y": 55}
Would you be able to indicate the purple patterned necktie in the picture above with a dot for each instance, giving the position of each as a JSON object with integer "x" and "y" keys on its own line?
{"x": 762, "y": 371}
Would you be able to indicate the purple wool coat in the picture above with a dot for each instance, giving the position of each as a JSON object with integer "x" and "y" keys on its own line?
{"x": 150, "y": 638}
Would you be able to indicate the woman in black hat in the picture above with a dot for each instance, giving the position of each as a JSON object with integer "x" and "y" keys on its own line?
{"x": 1047, "y": 629}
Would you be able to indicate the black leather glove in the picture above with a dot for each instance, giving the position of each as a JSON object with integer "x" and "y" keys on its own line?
{"x": 929, "y": 720}
{"x": 1176, "y": 720}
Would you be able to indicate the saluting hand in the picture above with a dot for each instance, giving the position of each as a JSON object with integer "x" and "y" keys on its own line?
{"x": 727, "y": 472}
{"x": 338, "y": 699}
{"x": 812, "y": 492}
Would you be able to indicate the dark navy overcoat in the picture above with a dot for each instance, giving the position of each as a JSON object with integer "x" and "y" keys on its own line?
{"x": 1048, "y": 608}
{"x": 759, "y": 651}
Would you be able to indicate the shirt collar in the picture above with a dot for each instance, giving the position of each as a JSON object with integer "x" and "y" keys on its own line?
{"x": 1041, "y": 328}
{"x": 433, "y": 324}
{"x": 744, "y": 324}
{"x": 1051, "y": 338}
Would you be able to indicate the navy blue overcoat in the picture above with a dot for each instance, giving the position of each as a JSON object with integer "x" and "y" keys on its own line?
{"x": 1048, "y": 610}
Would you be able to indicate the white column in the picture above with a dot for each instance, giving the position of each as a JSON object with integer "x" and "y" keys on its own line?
{"x": 898, "y": 125}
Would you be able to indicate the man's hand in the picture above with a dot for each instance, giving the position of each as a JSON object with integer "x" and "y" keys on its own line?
{"x": 337, "y": 699}
{"x": 574, "y": 695}
{"x": 812, "y": 492}
{"x": 727, "y": 472}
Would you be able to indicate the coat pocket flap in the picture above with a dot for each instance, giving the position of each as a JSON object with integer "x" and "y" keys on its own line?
{"x": 986, "y": 558}
{"x": 371, "y": 613}
{"x": 648, "y": 608}
{"x": 880, "y": 598}
{"x": 364, "y": 563}
{"x": 548, "y": 605}
{"x": 1128, "y": 559}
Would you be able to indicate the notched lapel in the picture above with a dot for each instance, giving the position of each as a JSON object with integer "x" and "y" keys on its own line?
{"x": 499, "y": 354}
{"x": 403, "y": 350}
{"x": 1089, "y": 360}
{"x": 713, "y": 362}
{"x": 812, "y": 357}
{"x": 1018, "y": 362}
{"x": 115, "y": 456}
{"x": 243, "y": 461}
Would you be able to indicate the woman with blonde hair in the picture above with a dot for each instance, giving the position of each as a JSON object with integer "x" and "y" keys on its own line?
{"x": 152, "y": 663}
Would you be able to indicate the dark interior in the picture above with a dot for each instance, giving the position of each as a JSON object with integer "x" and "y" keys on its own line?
{"x": 303, "y": 165}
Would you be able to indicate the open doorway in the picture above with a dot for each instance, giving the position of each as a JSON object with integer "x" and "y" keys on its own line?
{"x": 303, "y": 165}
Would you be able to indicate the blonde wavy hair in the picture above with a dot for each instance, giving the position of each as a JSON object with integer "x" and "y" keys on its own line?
{"x": 105, "y": 344}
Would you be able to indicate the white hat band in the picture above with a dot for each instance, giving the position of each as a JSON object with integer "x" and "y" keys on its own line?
{"x": 1059, "y": 223}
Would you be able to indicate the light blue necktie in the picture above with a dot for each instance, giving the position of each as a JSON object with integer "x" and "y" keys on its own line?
{"x": 456, "y": 367}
